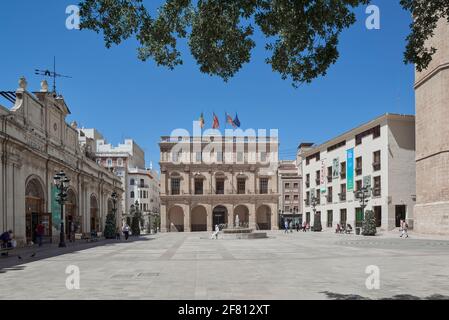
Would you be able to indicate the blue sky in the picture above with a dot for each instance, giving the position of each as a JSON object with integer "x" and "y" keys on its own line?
{"x": 123, "y": 97}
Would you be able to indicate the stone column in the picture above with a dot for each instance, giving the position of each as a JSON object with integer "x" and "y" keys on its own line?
{"x": 186, "y": 209}
{"x": 209, "y": 217}
{"x": 163, "y": 215}
{"x": 274, "y": 217}
{"x": 252, "y": 215}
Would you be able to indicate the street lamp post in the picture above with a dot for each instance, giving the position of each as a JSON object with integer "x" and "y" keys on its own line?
{"x": 62, "y": 184}
{"x": 114, "y": 203}
{"x": 317, "y": 220}
{"x": 363, "y": 196}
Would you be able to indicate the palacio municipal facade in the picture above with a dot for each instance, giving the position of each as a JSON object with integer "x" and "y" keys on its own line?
{"x": 209, "y": 180}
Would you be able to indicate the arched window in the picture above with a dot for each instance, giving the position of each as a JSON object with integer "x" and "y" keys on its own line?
{"x": 132, "y": 194}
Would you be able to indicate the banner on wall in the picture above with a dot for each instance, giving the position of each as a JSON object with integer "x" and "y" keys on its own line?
{"x": 335, "y": 168}
{"x": 323, "y": 176}
{"x": 350, "y": 170}
{"x": 55, "y": 208}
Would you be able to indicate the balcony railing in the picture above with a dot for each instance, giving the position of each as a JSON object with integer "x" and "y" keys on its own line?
{"x": 377, "y": 192}
{"x": 376, "y": 165}
{"x": 342, "y": 196}
{"x": 358, "y": 171}
{"x": 329, "y": 199}
{"x": 317, "y": 181}
{"x": 307, "y": 184}
{"x": 343, "y": 175}
{"x": 329, "y": 178}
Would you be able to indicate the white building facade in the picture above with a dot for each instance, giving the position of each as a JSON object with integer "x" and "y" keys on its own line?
{"x": 379, "y": 155}
{"x": 144, "y": 187}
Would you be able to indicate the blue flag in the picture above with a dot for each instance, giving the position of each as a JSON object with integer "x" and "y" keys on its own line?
{"x": 236, "y": 121}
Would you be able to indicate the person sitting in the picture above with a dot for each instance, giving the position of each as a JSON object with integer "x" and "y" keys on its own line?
{"x": 338, "y": 230}
{"x": 6, "y": 238}
{"x": 348, "y": 228}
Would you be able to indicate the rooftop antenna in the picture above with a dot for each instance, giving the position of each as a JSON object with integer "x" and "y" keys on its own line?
{"x": 53, "y": 74}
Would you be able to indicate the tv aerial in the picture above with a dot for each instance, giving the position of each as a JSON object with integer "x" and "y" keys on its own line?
{"x": 51, "y": 74}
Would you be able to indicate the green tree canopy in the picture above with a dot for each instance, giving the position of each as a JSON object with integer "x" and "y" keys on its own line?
{"x": 302, "y": 35}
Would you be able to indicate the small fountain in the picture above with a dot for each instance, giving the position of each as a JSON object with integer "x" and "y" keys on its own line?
{"x": 238, "y": 231}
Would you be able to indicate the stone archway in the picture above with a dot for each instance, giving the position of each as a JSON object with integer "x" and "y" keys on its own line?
{"x": 94, "y": 218}
{"x": 71, "y": 212}
{"x": 198, "y": 219}
{"x": 219, "y": 216}
{"x": 243, "y": 212}
{"x": 263, "y": 217}
{"x": 175, "y": 219}
{"x": 35, "y": 207}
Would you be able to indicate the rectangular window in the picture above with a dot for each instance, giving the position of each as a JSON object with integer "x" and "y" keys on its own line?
{"x": 287, "y": 197}
{"x": 142, "y": 183}
{"x": 263, "y": 185}
{"x": 376, "y": 132}
{"x": 358, "y": 185}
{"x": 330, "y": 218}
{"x": 263, "y": 157}
{"x": 219, "y": 186}
{"x": 343, "y": 217}
{"x": 120, "y": 162}
{"x": 287, "y": 186}
{"x": 377, "y": 188}
{"x": 109, "y": 162}
{"x": 198, "y": 156}
{"x": 307, "y": 180}
{"x": 286, "y": 209}
{"x": 175, "y": 186}
{"x": 307, "y": 200}
{"x": 329, "y": 195}
{"x": 241, "y": 185}
{"x": 317, "y": 178}
{"x": 376, "y": 161}
{"x": 378, "y": 215}
{"x": 358, "y": 166}
{"x": 343, "y": 192}
{"x": 295, "y": 185}
{"x": 329, "y": 174}
{"x": 343, "y": 170}
{"x": 296, "y": 197}
{"x": 239, "y": 156}
{"x": 198, "y": 186}
{"x": 219, "y": 156}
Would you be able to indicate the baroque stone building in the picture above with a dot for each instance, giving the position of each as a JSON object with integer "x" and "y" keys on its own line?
{"x": 290, "y": 188}
{"x": 432, "y": 138}
{"x": 35, "y": 143}
{"x": 209, "y": 180}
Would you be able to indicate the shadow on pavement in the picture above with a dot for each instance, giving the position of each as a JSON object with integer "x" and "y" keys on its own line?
{"x": 340, "y": 296}
{"x": 16, "y": 258}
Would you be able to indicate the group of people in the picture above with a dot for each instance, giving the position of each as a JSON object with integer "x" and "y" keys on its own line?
{"x": 343, "y": 228}
{"x": 288, "y": 226}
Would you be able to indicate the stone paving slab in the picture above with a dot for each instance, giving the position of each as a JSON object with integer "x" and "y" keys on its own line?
{"x": 190, "y": 266}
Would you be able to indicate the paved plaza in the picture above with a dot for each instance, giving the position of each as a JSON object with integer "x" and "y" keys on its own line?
{"x": 191, "y": 266}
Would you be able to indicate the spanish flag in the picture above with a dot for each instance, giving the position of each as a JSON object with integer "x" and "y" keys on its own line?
{"x": 229, "y": 120}
{"x": 216, "y": 124}
{"x": 201, "y": 120}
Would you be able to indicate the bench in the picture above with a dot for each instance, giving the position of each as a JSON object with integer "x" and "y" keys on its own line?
{"x": 4, "y": 250}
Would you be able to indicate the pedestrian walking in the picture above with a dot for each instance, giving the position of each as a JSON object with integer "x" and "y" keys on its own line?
{"x": 40, "y": 229}
{"x": 404, "y": 228}
{"x": 285, "y": 226}
{"x": 297, "y": 227}
{"x": 126, "y": 231}
{"x": 215, "y": 234}
{"x": 290, "y": 226}
{"x": 304, "y": 226}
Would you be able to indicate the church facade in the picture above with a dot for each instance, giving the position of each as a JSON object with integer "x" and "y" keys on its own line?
{"x": 35, "y": 144}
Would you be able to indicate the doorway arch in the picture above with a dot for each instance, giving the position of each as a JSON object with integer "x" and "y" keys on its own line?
{"x": 35, "y": 208}
{"x": 242, "y": 212}
{"x": 219, "y": 216}
{"x": 94, "y": 218}
{"x": 263, "y": 217}
{"x": 198, "y": 219}
{"x": 175, "y": 221}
